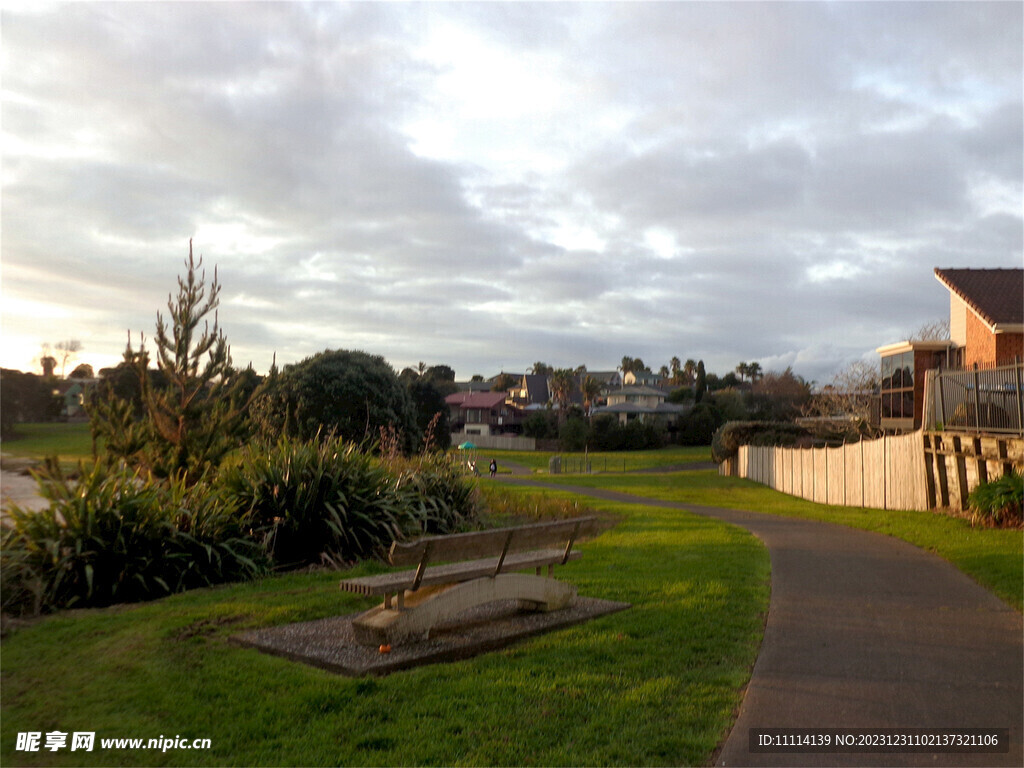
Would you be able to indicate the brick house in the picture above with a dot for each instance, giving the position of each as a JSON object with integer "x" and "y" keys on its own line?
{"x": 483, "y": 413}
{"x": 986, "y": 324}
{"x": 986, "y": 314}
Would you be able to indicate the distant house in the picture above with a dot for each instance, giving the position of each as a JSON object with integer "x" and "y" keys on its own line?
{"x": 73, "y": 394}
{"x": 645, "y": 378}
{"x": 532, "y": 390}
{"x": 483, "y": 413}
{"x": 986, "y": 324}
{"x": 608, "y": 379}
{"x": 639, "y": 402}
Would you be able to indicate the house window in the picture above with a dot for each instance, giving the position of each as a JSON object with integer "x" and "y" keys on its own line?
{"x": 898, "y": 386}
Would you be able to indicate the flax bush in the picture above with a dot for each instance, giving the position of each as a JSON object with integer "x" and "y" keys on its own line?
{"x": 443, "y": 499}
{"x": 327, "y": 500}
{"x": 315, "y": 500}
{"x": 116, "y": 535}
{"x": 999, "y": 502}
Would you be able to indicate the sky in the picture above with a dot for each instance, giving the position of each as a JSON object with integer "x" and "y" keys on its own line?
{"x": 489, "y": 185}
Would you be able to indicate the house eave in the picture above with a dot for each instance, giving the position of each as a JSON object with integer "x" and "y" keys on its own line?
{"x": 910, "y": 346}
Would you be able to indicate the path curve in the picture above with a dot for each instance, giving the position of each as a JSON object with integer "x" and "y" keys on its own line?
{"x": 867, "y": 631}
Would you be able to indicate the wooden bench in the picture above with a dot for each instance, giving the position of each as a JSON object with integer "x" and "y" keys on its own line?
{"x": 480, "y": 567}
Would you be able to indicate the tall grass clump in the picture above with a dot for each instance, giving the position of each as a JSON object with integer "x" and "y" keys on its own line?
{"x": 444, "y": 500}
{"x": 1000, "y": 502}
{"x": 115, "y": 535}
{"x": 327, "y": 500}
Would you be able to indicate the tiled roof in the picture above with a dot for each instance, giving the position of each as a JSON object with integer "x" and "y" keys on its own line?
{"x": 997, "y": 295}
{"x": 476, "y": 399}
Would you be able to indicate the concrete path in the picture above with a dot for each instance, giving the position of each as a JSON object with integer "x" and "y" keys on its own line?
{"x": 866, "y": 631}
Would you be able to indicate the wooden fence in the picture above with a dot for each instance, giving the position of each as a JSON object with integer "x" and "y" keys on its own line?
{"x": 888, "y": 473}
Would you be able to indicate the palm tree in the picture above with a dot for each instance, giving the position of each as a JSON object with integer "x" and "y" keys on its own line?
{"x": 674, "y": 364}
{"x": 690, "y": 370}
{"x": 742, "y": 369}
{"x": 591, "y": 389}
{"x": 540, "y": 369}
{"x": 754, "y": 371}
{"x": 663, "y": 372}
{"x": 561, "y": 385}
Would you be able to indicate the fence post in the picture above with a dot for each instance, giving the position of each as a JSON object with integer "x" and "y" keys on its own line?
{"x": 977, "y": 400}
{"x": 1020, "y": 396}
{"x": 942, "y": 398}
{"x": 863, "y": 471}
{"x": 885, "y": 471}
{"x": 844, "y": 471}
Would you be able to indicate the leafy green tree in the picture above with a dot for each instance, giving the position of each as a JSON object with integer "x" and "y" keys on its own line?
{"x": 573, "y": 434}
{"x": 25, "y": 397}
{"x": 82, "y": 371}
{"x": 698, "y": 426}
{"x": 541, "y": 369}
{"x": 192, "y": 417}
{"x": 351, "y": 394}
{"x": 428, "y": 403}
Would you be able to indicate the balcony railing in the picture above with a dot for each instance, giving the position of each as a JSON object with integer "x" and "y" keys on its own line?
{"x": 976, "y": 400}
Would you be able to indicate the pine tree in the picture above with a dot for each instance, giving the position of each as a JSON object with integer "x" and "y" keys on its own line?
{"x": 192, "y": 415}
{"x": 701, "y": 386}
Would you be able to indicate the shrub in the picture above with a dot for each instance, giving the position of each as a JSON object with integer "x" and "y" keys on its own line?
{"x": 542, "y": 425}
{"x": 999, "y": 502}
{"x": 352, "y": 394}
{"x": 698, "y": 426}
{"x": 319, "y": 498}
{"x": 115, "y": 535}
{"x": 730, "y": 436}
{"x": 443, "y": 499}
{"x": 573, "y": 434}
{"x": 607, "y": 434}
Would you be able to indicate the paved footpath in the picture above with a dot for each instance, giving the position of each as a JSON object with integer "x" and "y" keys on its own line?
{"x": 867, "y": 631}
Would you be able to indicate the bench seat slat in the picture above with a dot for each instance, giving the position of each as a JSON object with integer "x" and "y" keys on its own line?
{"x": 476, "y": 544}
{"x": 391, "y": 583}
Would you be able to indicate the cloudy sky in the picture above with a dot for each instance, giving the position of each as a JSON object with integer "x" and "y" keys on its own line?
{"x": 489, "y": 185}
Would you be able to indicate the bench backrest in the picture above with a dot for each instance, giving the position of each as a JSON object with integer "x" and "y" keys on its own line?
{"x": 494, "y": 543}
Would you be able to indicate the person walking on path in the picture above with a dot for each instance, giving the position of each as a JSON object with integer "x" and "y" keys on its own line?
{"x": 494, "y": 467}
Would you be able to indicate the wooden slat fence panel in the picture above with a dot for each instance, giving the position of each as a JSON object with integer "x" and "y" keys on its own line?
{"x": 836, "y": 465}
{"x": 888, "y": 473}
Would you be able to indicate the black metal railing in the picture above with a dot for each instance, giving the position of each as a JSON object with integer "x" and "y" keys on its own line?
{"x": 977, "y": 400}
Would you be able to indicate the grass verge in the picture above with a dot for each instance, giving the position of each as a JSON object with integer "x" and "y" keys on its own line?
{"x": 664, "y": 678}
{"x": 69, "y": 442}
{"x": 602, "y": 461}
{"x": 992, "y": 557}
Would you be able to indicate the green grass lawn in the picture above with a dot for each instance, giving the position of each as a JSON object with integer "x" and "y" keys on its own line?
{"x": 657, "y": 684}
{"x": 601, "y": 461}
{"x": 68, "y": 441}
{"x": 993, "y": 557}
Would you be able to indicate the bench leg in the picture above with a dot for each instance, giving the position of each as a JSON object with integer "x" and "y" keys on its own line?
{"x": 383, "y": 625}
